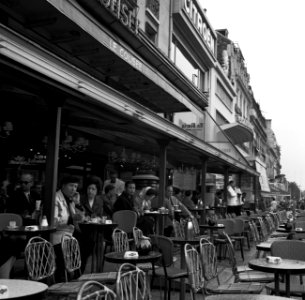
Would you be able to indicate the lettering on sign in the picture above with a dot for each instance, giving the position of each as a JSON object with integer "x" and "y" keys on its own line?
{"x": 125, "y": 54}
{"x": 192, "y": 126}
{"x": 125, "y": 11}
{"x": 198, "y": 19}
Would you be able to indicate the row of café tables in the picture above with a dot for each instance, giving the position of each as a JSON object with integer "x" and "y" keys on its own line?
{"x": 287, "y": 267}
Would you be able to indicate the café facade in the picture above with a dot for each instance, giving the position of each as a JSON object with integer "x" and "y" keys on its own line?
{"x": 87, "y": 84}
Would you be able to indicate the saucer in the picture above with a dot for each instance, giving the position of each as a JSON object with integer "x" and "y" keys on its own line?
{"x": 12, "y": 227}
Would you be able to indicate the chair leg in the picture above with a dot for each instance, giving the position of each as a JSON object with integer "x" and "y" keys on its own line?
{"x": 169, "y": 290}
{"x": 165, "y": 288}
{"x": 241, "y": 249}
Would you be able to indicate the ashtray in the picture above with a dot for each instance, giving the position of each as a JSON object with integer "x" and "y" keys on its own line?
{"x": 273, "y": 259}
{"x": 299, "y": 229}
{"x": 131, "y": 254}
{"x": 31, "y": 228}
{"x": 4, "y": 293}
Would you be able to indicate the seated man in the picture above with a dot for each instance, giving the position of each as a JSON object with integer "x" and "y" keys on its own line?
{"x": 128, "y": 201}
{"x": 22, "y": 202}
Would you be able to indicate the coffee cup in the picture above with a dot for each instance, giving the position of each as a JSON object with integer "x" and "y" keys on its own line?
{"x": 104, "y": 219}
{"x": 37, "y": 204}
{"x": 12, "y": 224}
{"x": 176, "y": 207}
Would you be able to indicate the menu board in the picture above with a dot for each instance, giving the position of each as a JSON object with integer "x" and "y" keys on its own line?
{"x": 185, "y": 179}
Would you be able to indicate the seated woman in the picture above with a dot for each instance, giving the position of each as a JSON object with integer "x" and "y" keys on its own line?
{"x": 92, "y": 201}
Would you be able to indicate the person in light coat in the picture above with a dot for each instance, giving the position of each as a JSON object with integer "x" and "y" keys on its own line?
{"x": 233, "y": 203}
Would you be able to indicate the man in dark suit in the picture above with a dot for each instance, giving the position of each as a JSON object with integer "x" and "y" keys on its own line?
{"x": 23, "y": 200}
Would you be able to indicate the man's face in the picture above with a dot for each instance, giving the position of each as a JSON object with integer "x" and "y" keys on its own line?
{"x": 169, "y": 191}
{"x": 113, "y": 177}
{"x": 131, "y": 189}
{"x": 69, "y": 189}
{"x": 26, "y": 182}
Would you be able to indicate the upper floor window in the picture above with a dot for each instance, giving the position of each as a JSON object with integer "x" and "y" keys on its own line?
{"x": 185, "y": 63}
{"x": 224, "y": 96}
{"x": 154, "y": 7}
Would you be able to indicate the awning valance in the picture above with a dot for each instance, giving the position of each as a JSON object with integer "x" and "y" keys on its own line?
{"x": 263, "y": 178}
{"x": 237, "y": 132}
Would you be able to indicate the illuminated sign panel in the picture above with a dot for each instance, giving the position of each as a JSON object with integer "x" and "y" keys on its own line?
{"x": 125, "y": 11}
{"x": 197, "y": 17}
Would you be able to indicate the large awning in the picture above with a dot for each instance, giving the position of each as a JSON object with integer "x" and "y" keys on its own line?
{"x": 263, "y": 178}
{"x": 237, "y": 132}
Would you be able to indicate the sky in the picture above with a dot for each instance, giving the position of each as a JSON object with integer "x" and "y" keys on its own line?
{"x": 270, "y": 34}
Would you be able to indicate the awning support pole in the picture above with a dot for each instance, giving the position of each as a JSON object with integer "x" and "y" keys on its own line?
{"x": 255, "y": 191}
{"x": 52, "y": 162}
{"x": 225, "y": 187}
{"x": 162, "y": 170}
{"x": 204, "y": 161}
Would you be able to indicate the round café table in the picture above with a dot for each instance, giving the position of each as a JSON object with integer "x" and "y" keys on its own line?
{"x": 43, "y": 231}
{"x": 96, "y": 231}
{"x": 212, "y": 228}
{"x": 24, "y": 289}
{"x": 244, "y": 297}
{"x": 286, "y": 267}
{"x": 159, "y": 220}
{"x": 118, "y": 258}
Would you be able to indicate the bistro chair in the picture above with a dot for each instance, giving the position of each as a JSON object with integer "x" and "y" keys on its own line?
{"x": 198, "y": 283}
{"x": 137, "y": 235}
{"x": 179, "y": 228}
{"x": 126, "y": 220}
{"x": 245, "y": 274}
{"x": 72, "y": 259}
{"x": 131, "y": 283}
{"x": 93, "y": 290}
{"x": 238, "y": 235}
{"x": 39, "y": 259}
{"x": 167, "y": 270}
{"x": 219, "y": 240}
{"x": 120, "y": 240}
{"x": 40, "y": 263}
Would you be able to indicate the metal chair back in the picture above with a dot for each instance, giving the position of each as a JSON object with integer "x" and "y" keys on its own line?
{"x": 179, "y": 229}
{"x": 126, "y": 220}
{"x": 40, "y": 259}
{"x": 71, "y": 254}
{"x": 194, "y": 269}
{"x": 93, "y": 290}
{"x": 209, "y": 259}
{"x": 131, "y": 283}
{"x": 120, "y": 240}
{"x": 137, "y": 235}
